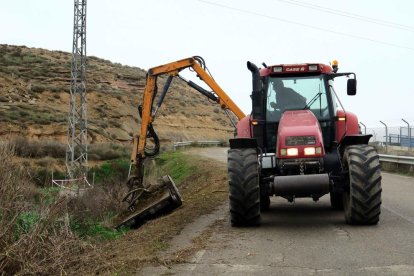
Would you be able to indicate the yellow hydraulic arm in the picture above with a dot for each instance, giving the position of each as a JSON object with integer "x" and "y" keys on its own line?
{"x": 148, "y": 113}
{"x": 172, "y": 69}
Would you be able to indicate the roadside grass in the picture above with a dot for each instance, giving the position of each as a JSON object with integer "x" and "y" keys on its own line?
{"x": 203, "y": 186}
{"x": 177, "y": 165}
{"x": 42, "y": 225}
{"x": 95, "y": 230}
{"x": 33, "y": 234}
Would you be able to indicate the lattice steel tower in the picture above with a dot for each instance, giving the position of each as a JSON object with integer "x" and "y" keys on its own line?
{"x": 77, "y": 141}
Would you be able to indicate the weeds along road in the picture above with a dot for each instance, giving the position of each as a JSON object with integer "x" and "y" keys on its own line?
{"x": 304, "y": 238}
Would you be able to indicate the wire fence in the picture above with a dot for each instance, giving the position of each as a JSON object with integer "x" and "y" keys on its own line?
{"x": 392, "y": 135}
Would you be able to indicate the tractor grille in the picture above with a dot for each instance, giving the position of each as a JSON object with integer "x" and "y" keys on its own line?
{"x": 300, "y": 140}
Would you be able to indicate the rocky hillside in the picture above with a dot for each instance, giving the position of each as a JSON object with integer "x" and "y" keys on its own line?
{"x": 34, "y": 100}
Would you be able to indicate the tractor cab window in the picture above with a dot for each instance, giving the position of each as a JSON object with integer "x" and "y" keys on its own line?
{"x": 294, "y": 93}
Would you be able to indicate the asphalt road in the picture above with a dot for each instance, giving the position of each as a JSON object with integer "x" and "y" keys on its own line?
{"x": 304, "y": 238}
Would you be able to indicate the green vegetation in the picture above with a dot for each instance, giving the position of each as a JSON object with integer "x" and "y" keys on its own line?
{"x": 107, "y": 151}
{"x": 49, "y": 194}
{"x": 96, "y": 230}
{"x": 46, "y": 221}
{"x": 176, "y": 164}
{"x": 116, "y": 169}
{"x": 26, "y": 221}
{"x": 23, "y": 115}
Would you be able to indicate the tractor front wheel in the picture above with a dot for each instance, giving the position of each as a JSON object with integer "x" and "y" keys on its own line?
{"x": 244, "y": 187}
{"x": 362, "y": 201}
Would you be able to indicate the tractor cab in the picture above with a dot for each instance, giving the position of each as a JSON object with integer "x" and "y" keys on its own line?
{"x": 289, "y": 93}
{"x": 300, "y": 87}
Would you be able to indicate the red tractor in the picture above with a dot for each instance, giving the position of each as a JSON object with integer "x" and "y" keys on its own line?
{"x": 297, "y": 142}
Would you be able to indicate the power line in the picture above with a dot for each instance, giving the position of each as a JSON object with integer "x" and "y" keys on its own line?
{"x": 350, "y": 15}
{"x": 306, "y": 25}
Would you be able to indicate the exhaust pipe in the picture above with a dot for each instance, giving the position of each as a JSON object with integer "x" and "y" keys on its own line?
{"x": 300, "y": 185}
{"x": 257, "y": 104}
{"x": 255, "y": 76}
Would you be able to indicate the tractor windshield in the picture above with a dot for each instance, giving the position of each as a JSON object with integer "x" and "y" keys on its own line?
{"x": 293, "y": 93}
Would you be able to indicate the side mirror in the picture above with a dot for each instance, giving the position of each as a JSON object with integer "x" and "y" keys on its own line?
{"x": 351, "y": 87}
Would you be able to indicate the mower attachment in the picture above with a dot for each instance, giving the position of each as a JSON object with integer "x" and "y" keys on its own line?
{"x": 168, "y": 201}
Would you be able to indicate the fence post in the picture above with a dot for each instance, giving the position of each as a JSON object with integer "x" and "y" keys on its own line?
{"x": 365, "y": 127}
{"x": 409, "y": 133}
{"x": 386, "y": 136}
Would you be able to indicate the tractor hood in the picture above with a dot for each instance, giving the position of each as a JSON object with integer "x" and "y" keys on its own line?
{"x": 299, "y": 135}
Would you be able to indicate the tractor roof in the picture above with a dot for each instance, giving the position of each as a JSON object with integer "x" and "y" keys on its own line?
{"x": 302, "y": 68}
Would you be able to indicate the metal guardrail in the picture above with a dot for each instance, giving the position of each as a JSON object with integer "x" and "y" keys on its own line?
{"x": 397, "y": 159}
{"x": 197, "y": 143}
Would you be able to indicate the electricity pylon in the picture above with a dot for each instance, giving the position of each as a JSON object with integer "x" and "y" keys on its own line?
{"x": 77, "y": 140}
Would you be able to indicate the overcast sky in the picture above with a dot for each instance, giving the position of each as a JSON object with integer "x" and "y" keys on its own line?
{"x": 378, "y": 47}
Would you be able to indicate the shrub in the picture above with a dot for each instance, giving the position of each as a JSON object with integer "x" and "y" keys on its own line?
{"x": 106, "y": 152}
{"x": 17, "y": 52}
{"x": 32, "y": 238}
{"x": 33, "y": 149}
{"x": 37, "y": 88}
{"x": 24, "y": 113}
{"x": 53, "y": 149}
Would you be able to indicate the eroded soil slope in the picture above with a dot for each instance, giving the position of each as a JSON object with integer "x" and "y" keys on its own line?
{"x": 34, "y": 100}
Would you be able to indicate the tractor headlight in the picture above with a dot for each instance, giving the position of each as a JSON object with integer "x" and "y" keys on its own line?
{"x": 312, "y": 150}
{"x": 292, "y": 151}
{"x": 309, "y": 151}
{"x": 289, "y": 152}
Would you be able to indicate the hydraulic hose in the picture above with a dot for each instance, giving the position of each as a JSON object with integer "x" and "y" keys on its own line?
{"x": 151, "y": 134}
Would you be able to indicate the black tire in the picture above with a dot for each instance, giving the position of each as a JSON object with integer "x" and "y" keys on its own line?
{"x": 244, "y": 187}
{"x": 336, "y": 201}
{"x": 362, "y": 202}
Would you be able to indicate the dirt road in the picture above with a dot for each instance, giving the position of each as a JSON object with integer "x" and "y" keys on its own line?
{"x": 304, "y": 238}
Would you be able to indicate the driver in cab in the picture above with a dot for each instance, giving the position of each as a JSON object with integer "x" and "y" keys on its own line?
{"x": 287, "y": 98}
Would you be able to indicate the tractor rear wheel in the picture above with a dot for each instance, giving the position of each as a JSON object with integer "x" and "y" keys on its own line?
{"x": 362, "y": 202}
{"x": 244, "y": 187}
